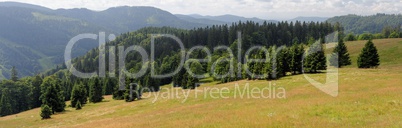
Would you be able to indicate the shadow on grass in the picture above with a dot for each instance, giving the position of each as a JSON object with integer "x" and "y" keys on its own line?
{"x": 63, "y": 112}
{"x": 287, "y": 76}
{"x": 104, "y": 101}
{"x": 206, "y": 80}
{"x": 311, "y": 73}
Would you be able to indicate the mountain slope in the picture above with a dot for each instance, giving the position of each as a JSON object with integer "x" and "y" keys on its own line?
{"x": 29, "y": 37}
{"x": 23, "y": 5}
{"x": 125, "y": 19}
{"x": 373, "y": 24}
{"x": 33, "y": 38}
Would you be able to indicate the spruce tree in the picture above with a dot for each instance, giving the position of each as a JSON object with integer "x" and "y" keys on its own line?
{"x": 118, "y": 93}
{"x": 178, "y": 78}
{"x": 340, "y": 56}
{"x": 368, "y": 57}
{"x": 191, "y": 81}
{"x": 315, "y": 59}
{"x": 5, "y": 105}
{"x": 78, "y": 105}
{"x": 296, "y": 55}
{"x": 46, "y": 111}
{"x": 251, "y": 67}
{"x": 35, "y": 95}
{"x": 257, "y": 68}
{"x": 14, "y": 74}
{"x": 283, "y": 62}
{"x": 151, "y": 83}
{"x": 95, "y": 91}
{"x": 222, "y": 68}
{"x": 52, "y": 95}
{"x": 108, "y": 86}
{"x": 78, "y": 94}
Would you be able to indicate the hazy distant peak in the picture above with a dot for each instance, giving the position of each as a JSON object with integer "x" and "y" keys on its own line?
{"x": 23, "y": 5}
{"x": 309, "y": 19}
{"x": 227, "y": 18}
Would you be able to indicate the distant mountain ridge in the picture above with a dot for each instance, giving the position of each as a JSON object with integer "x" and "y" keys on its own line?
{"x": 222, "y": 19}
{"x": 372, "y": 23}
{"x": 124, "y": 18}
{"x": 309, "y": 19}
{"x": 205, "y": 21}
{"x": 24, "y": 5}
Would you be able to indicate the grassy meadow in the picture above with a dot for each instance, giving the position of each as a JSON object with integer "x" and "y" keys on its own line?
{"x": 367, "y": 98}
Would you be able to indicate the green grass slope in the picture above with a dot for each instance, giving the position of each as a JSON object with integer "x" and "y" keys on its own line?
{"x": 367, "y": 98}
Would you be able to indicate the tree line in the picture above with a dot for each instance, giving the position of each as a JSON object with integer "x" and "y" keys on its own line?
{"x": 49, "y": 92}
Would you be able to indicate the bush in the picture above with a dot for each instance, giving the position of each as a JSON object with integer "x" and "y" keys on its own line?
{"x": 378, "y": 36}
{"x": 46, "y": 111}
{"x": 365, "y": 36}
{"x": 350, "y": 37}
{"x": 394, "y": 35}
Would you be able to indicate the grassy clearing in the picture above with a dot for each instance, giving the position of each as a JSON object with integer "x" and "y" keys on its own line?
{"x": 367, "y": 97}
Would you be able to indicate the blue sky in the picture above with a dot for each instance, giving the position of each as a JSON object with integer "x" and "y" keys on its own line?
{"x": 266, "y": 9}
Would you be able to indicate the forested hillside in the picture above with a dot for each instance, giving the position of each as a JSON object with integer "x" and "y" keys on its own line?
{"x": 294, "y": 36}
{"x": 167, "y": 51}
{"x": 371, "y": 24}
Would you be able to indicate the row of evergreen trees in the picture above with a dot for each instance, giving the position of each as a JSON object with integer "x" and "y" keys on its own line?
{"x": 18, "y": 95}
{"x": 167, "y": 52}
{"x": 53, "y": 97}
{"x": 368, "y": 58}
{"x": 281, "y": 61}
{"x": 253, "y": 34}
{"x": 49, "y": 93}
{"x": 387, "y": 32}
{"x": 276, "y": 62}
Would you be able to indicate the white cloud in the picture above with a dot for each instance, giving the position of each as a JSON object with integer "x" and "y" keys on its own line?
{"x": 268, "y": 9}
